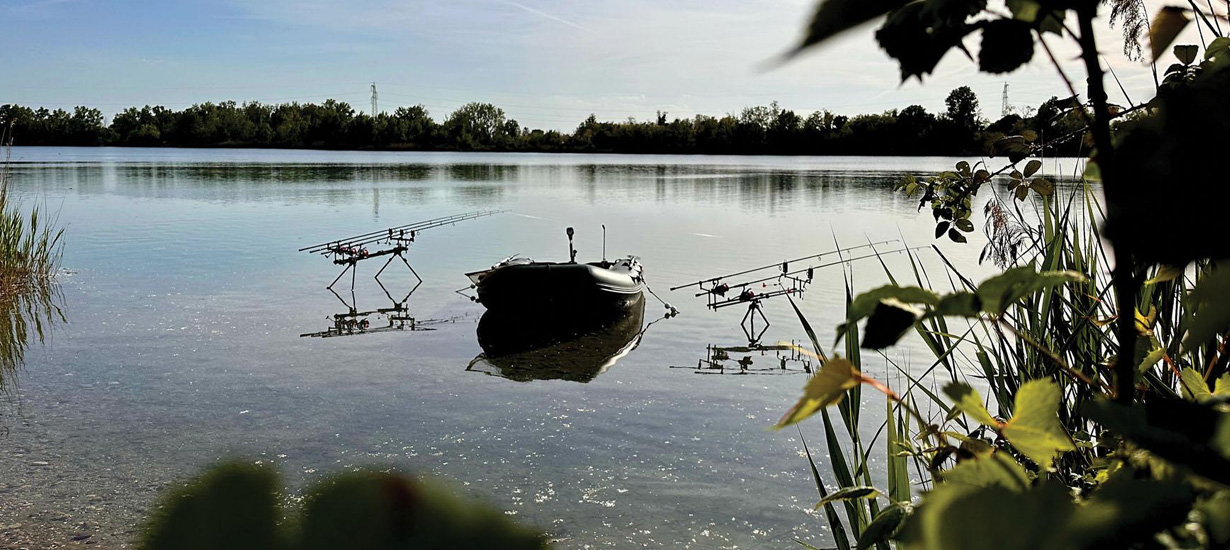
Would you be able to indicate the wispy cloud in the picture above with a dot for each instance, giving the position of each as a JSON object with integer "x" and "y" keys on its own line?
{"x": 544, "y": 14}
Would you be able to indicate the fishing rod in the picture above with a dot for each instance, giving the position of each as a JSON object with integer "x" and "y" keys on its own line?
{"x": 811, "y": 269}
{"x": 352, "y": 250}
{"x": 396, "y": 232}
{"x": 785, "y": 283}
{"x": 782, "y": 264}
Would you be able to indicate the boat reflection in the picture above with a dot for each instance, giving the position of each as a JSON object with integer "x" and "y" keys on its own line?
{"x": 524, "y": 347}
{"x": 752, "y": 360}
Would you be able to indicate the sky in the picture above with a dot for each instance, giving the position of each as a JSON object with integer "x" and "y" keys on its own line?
{"x": 547, "y": 63}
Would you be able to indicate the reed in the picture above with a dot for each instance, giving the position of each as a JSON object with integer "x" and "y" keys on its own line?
{"x": 1065, "y": 334}
{"x": 31, "y": 247}
{"x": 31, "y": 244}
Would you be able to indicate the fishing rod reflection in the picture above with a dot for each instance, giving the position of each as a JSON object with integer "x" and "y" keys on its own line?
{"x": 394, "y": 318}
{"x": 755, "y": 359}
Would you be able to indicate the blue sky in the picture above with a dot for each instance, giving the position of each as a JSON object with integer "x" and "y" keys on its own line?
{"x": 548, "y": 63}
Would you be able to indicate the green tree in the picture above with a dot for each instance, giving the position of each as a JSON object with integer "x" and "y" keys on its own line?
{"x": 476, "y": 126}
{"x": 962, "y": 106}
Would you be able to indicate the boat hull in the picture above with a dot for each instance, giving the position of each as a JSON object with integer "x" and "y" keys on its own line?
{"x": 555, "y": 287}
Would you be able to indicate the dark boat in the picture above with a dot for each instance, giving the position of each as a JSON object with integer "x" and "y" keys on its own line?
{"x": 521, "y": 284}
{"x": 534, "y": 346}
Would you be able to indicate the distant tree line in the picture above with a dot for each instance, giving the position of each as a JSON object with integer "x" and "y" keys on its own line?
{"x": 484, "y": 127}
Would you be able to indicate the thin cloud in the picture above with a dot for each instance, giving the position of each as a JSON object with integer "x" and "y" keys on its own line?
{"x": 541, "y": 13}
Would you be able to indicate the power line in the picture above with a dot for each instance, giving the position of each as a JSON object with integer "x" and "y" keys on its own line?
{"x": 1007, "y": 108}
{"x": 374, "y": 96}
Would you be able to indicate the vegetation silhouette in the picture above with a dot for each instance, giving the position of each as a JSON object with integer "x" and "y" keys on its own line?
{"x": 31, "y": 247}
{"x": 1106, "y": 369}
{"x": 759, "y": 130}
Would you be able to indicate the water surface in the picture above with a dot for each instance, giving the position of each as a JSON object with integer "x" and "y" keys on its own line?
{"x": 186, "y": 301}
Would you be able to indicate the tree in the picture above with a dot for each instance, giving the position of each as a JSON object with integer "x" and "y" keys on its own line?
{"x": 963, "y": 108}
{"x": 475, "y": 126}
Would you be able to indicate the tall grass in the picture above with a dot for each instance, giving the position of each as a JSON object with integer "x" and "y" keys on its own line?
{"x": 31, "y": 247}
{"x": 1065, "y": 334}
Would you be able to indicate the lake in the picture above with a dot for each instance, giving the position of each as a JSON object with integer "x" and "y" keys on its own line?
{"x": 187, "y": 301}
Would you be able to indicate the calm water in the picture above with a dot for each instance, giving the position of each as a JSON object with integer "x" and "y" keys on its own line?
{"x": 186, "y": 299}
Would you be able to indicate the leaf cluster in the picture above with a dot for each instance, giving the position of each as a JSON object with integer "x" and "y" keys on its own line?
{"x": 236, "y": 506}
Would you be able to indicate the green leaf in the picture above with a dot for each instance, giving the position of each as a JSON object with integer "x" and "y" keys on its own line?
{"x": 956, "y": 236}
{"x": 1021, "y": 192}
{"x": 1167, "y": 272}
{"x": 826, "y": 388}
{"x": 977, "y": 448}
{"x": 1092, "y": 172}
{"x": 914, "y": 38}
{"x": 866, "y": 303}
{"x": 231, "y": 506}
{"x": 377, "y": 510}
{"x": 1186, "y": 54}
{"x": 1016, "y": 148}
{"x": 940, "y": 229}
{"x": 1124, "y": 510}
{"x": 1215, "y": 514}
{"x": 1151, "y": 358}
{"x": 1030, "y": 11}
{"x": 1024, "y": 10}
{"x": 1006, "y": 45}
{"x": 969, "y": 402}
{"x": 963, "y": 304}
{"x": 1210, "y": 308}
{"x": 884, "y": 526}
{"x": 960, "y": 517}
{"x": 1221, "y": 388}
{"x": 1042, "y": 186}
{"x": 1217, "y": 46}
{"x": 834, "y": 17}
{"x": 1166, "y": 26}
{"x": 848, "y": 493}
{"x": 950, "y": 12}
{"x": 998, "y": 469}
{"x": 890, "y": 321}
{"x": 999, "y": 292}
{"x": 965, "y": 225}
{"x": 1193, "y": 386}
{"x": 1032, "y": 167}
{"x": 1189, "y": 434}
{"x": 1034, "y": 428}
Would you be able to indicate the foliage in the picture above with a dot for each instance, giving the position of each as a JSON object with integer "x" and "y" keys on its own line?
{"x": 235, "y": 506}
{"x": 1107, "y": 423}
{"x": 1133, "y": 16}
{"x": 761, "y": 129}
{"x": 30, "y": 250}
{"x": 30, "y": 243}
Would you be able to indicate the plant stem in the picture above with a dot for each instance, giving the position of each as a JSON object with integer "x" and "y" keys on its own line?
{"x": 1124, "y": 273}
